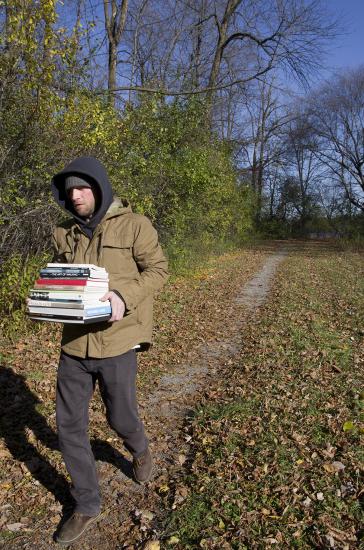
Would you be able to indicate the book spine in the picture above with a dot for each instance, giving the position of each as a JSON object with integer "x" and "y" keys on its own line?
{"x": 82, "y": 281}
{"x": 58, "y": 274}
{"x": 61, "y": 296}
{"x": 69, "y": 320}
{"x": 56, "y": 303}
{"x": 92, "y": 311}
{"x": 76, "y": 288}
{"x": 60, "y": 311}
{"x": 74, "y": 266}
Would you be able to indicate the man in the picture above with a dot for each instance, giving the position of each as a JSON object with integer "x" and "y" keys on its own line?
{"x": 103, "y": 231}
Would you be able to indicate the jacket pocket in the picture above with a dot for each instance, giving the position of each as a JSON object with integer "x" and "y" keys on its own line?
{"x": 117, "y": 255}
{"x": 63, "y": 255}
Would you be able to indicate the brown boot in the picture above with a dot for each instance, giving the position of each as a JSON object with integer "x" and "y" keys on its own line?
{"x": 74, "y": 527}
{"x": 142, "y": 467}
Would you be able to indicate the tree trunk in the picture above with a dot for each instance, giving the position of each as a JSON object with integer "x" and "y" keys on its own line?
{"x": 115, "y": 17}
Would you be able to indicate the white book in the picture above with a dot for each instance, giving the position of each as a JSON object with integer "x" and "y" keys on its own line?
{"x": 72, "y": 266}
{"x": 72, "y": 312}
{"x": 78, "y": 304}
{"x": 89, "y": 294}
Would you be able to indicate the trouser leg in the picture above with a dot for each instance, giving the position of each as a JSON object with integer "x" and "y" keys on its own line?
{"x": 117, "y": 377}
{"x": 74, "y": 390}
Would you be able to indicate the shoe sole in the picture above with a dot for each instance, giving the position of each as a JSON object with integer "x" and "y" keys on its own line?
{"x": 68, "y": 542}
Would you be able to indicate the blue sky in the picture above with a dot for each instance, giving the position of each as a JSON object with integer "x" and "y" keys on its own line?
{"x": 348, "y": 50}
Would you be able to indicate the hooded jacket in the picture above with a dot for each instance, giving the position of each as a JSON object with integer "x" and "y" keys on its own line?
{"x": 126, "y": 244}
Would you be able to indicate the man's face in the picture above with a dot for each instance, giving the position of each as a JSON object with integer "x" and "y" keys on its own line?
{"x": 83, "y": 200}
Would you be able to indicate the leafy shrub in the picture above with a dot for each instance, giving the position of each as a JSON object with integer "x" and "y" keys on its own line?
{"x": 16, "y": 279}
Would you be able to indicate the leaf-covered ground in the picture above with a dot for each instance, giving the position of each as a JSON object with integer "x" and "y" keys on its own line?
{"x": 277, "y": 456}
{"x": 33, "y": 480}
{"x": 256, "y": 444}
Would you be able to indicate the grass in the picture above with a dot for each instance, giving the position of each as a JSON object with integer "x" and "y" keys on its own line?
{"x": 277, "y": 454}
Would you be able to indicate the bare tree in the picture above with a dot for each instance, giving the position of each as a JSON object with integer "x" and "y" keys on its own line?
{"x": 303, "y": 169}
{"x": 336, "y": 113}
{"x": 261, "y": 146}
{"x": 263, "y": 35}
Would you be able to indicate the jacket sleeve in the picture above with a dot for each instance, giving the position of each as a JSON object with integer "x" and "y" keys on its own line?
{"x": 55, "y": 248}
{"x": 58, "y": 255}
{"x": 151, "y": 262}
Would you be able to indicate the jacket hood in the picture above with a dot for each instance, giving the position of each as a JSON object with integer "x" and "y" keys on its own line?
{"x": 94, "y": 171}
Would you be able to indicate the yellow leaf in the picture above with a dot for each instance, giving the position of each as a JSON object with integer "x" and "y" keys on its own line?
{"x": 348, "y": 426}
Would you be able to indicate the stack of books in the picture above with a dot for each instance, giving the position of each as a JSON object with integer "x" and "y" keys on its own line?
{"x": 70, "y": 293}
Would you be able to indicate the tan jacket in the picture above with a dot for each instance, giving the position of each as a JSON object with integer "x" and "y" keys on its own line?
{"x": 126, "y": 244}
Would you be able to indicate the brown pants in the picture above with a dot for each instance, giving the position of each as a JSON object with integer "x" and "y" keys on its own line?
{"x": 75, "y": 385}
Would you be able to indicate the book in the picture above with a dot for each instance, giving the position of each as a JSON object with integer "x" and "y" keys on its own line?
{"x": 81, "y": 281}
{"x": 84, "y": 294}
{"x": 71, "y": 270}
{"x": 74, "y": 285}
{"x": 73, "y": 266}
{"x": 70, "y": 312}
{"x": 70, "y": 320}
{"x": 76, "y": 304}
{"x": 74, "y": 274}
{"x": 70, "y": 293}
{"x": 76, "y": 288}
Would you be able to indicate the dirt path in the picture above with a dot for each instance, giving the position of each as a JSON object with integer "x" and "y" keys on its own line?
{"x": 171, "y": 399}
{"x": 132, "y": 513}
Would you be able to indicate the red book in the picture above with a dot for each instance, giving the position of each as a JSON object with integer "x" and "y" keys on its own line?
{"x": 70, "y": 282}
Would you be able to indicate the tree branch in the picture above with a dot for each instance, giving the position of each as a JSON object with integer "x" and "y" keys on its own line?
{"x": 162, "y": 91}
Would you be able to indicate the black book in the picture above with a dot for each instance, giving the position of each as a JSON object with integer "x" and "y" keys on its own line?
{"x": 69, "y": 320}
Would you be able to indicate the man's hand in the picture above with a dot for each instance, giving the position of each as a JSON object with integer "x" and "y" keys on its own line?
{"x": 117, "y": 306}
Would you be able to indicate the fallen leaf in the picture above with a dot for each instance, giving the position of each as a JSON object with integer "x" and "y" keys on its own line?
{"x": 152, "y": 545}
{"x": 334, "y": 467}
{"x": 55, "y": 519}
{"x": 146, "y": 514}
{"x": 330, "y": 451}
{"x": 348, "y": 426}
{"x": 14, "y": 527}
